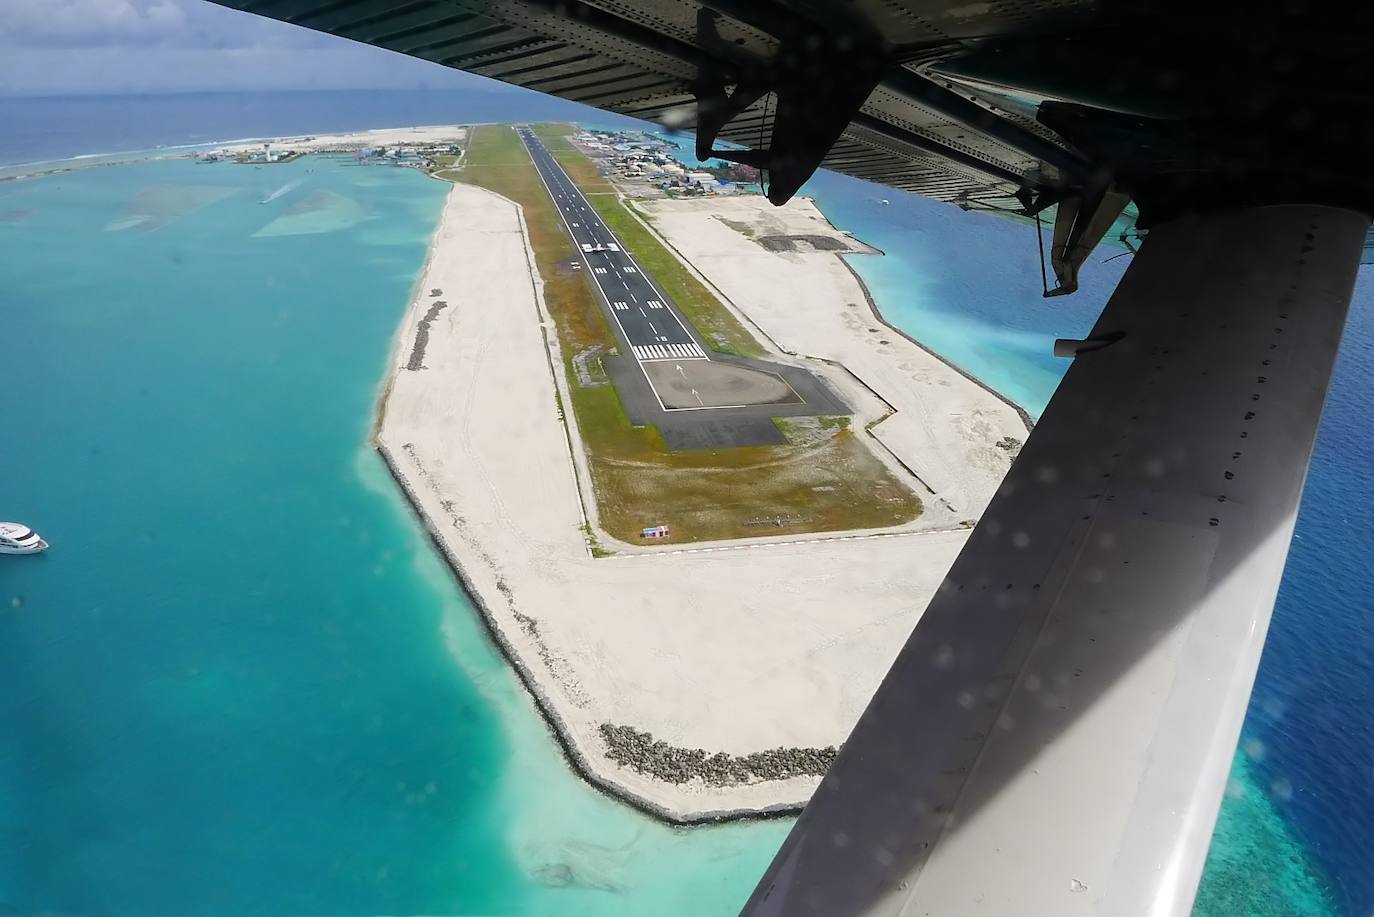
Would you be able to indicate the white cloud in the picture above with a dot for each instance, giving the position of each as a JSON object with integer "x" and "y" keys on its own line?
{"x": 98, "y": 21}
{"x": 118, "y": 71}
{"x": 77, "y": 47}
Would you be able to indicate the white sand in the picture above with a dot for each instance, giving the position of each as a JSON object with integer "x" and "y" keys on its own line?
{"x": 945, "y": 425}
{"x": 742, "y": 648}
{"x": 387, "y": 136}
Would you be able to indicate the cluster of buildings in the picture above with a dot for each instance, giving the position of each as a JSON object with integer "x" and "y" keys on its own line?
{"x": 396, "y": 155}
{"x": 257, "y": 155}
{"x": 427, "y": 156}
{"x": 635, "y": 155}
{"x": 266, "y": 154}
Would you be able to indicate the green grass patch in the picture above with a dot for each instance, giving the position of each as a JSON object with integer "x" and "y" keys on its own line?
{"x": 809, "y": 431}
{"x": 555, "y": 135}
{"x": 584, "y": 173}
{"x": 787, "y": 428}
{"x": 580, "y": 168}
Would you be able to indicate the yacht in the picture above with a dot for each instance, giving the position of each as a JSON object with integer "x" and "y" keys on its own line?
{"x": 19, "y": 539}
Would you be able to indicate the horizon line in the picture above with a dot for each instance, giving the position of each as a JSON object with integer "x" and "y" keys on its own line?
{"x": 498, "y": 89}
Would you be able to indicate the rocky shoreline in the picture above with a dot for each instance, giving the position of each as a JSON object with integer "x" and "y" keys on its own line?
{"x": 639, "y": 750}
{"x": 417, "y": 352}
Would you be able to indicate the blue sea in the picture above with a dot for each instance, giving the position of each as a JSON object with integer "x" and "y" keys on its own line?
{"x": 242, "y": 681}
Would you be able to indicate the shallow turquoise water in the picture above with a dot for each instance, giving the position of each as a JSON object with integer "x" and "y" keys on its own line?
{"x": 1256, "y": 866}
{"x": 231, "y": 684}
{"x": 938, "y": 284}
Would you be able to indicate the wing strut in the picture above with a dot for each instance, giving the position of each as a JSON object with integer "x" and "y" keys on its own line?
{"x": 1055, "y": 737}
{"x": 820, "y": 82}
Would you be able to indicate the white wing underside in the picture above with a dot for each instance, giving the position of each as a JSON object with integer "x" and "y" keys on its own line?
{"x": 1055, "y": 737}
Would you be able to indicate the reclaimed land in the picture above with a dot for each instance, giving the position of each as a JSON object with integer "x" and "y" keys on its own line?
{"x": 699, "y": 684}
{"x": 704, "y": 683}
{"x": 833, "y": 484}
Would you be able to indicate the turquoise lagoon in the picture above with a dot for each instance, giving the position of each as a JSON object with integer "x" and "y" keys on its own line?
{"x": 241, "y": 680}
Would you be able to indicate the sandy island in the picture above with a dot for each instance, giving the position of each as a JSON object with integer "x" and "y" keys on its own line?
{"x": 357, "y": 140}
{"x": 316, "y": 143}
{"x": 701, "y": 682}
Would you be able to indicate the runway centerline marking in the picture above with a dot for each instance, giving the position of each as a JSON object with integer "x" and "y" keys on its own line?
{"x": 663, "y": 348}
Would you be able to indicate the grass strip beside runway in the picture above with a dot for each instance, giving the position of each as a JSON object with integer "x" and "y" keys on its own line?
{"x": 580, "y": 169}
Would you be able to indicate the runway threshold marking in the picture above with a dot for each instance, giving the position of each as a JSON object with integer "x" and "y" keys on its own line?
{"x": 648, "y": 353}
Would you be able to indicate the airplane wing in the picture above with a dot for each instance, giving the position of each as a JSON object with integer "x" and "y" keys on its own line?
{"x": 1056, "y": 735}
{"x": 741, "y": 70}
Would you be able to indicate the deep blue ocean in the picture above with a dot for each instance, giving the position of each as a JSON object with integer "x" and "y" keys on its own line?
{"x": 241, "y": 681}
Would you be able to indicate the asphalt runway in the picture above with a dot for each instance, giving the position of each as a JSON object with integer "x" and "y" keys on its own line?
{"x": 665, "y": 374}
{"x": 651, "y": 325}
{"x": 705, "y": 384}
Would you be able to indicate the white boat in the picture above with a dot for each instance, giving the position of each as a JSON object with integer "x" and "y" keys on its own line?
{"x": 20, "y": 539}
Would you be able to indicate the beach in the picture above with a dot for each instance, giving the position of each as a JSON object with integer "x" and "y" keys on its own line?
{"x": 357, "y": 140}
{"x": 748, "y": 660}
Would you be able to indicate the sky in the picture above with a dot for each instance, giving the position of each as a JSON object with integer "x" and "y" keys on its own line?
{"x": 119, "y": 47}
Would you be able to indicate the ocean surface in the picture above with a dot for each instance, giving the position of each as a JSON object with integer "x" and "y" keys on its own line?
{"x": 44, "y": 129}
{"x": 243, "y": 681}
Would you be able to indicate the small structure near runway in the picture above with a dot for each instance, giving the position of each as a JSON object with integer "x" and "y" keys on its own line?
{"x": 654, "y": 531}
